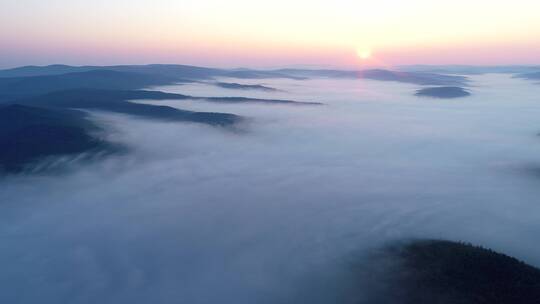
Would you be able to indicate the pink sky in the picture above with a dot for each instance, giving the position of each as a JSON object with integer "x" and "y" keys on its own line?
{"x": 269, "y": 34}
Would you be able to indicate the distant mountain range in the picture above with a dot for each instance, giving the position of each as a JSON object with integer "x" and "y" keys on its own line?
{"x": 14, "y": 82}
{"x": 420, "y": 78}
{"x": 37, "y": 102}
{"x": 172, "y": 71}
{"x": 12, "y": 88}
{"x": 471, "y": 69}
{"x": 177, "y": 72}
{"x": 531, "y": 76}
{"x": 30, "y": 81}
{"x": 40, "y": 106}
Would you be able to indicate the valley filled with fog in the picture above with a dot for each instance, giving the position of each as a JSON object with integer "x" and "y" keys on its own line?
{"x": 276, "y": 208}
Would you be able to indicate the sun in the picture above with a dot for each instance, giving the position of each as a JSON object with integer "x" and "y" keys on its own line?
{"x": 364, "y": 54}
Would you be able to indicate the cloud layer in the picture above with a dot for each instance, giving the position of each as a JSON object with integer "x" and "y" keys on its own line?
{"x": 273, "y": 212}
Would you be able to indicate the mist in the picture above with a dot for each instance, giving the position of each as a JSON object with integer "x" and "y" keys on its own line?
{"x": 274, "y": 210}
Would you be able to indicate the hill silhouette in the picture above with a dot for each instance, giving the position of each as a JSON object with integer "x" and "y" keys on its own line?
{"x": 238, "y": 86}
{"x": 445, "y": 272}
{"x": 443, "y": 92}
{"x": 21, "y": 87}
{"x": 185, "y": 73}
{"x": 117, "y": 101}
{"x": 421, "y": 78}
{"x": 531, "y": 76}
{"x": 28, "y": 134}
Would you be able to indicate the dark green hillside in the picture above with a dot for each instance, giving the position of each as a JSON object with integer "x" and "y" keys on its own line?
{"x": 28, "y": 134}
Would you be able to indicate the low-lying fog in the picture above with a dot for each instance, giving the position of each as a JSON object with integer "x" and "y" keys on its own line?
{"x": 273, "y": 211}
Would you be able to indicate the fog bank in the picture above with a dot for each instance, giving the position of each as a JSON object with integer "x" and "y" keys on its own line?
{"x": 274, "y": 212}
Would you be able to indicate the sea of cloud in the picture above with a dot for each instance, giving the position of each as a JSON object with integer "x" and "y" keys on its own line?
{"x": 274, "y": 210}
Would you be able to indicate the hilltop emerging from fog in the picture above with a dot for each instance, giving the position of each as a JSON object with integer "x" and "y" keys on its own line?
{"x": 59, "y": 89}
{"x": 33, "y": 80}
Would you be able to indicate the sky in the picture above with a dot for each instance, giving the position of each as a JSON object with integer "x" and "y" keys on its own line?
{"x": 274, "y": 33}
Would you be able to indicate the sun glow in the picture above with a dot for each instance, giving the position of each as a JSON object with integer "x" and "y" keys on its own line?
{"x": 364, "y": 54}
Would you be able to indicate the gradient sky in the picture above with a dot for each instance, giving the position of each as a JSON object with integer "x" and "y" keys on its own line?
{"x": 269, "y": 33}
